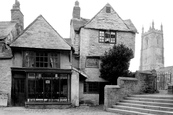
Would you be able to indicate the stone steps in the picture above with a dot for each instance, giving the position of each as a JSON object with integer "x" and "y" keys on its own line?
{"x": 145, "y": 105}
{"x": 150, "y": 99}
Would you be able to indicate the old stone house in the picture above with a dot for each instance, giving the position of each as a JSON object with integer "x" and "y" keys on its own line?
{"x": 90, "y": 39}
{"x": 9, "y": 30}
{"x": 36, "y": 64}
{"x": 40, "y": 68}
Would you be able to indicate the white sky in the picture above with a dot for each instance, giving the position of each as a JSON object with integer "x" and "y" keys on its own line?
{"x": 142, "y": 12}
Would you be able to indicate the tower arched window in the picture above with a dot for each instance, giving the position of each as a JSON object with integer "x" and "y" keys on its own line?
{"x": 146, "y": 42}
{"x": 158, "y": 40}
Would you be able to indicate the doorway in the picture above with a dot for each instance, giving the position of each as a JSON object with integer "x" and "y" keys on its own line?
{"x": 18, "y": 90}
{"x": 101, "y": 92}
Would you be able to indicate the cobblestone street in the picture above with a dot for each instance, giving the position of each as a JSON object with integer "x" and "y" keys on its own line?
{"x": 72, "y": 111}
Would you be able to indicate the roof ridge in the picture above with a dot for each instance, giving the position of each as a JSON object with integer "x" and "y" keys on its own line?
{"x": 113, "y": 10}
{"x": 36, "y": 25}
{"x": 25, "y": 29}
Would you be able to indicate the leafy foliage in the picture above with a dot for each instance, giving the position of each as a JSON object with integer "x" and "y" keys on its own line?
{"x": 115, "y": 63}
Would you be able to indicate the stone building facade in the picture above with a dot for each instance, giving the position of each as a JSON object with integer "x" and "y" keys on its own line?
{"x": 36, "y": 64}
{"x": 90, "y": 39}
{"x": 152, "y": 49}
{"x": 39, "y": 67}
{"x": 9, "y": 30}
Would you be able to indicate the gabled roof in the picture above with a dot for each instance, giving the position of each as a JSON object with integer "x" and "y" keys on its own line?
{"x": 110, "y": 21}
{"x": 131, "y": 25}
{"x": 5, "y": 28}
{"x": 40, "y": 34}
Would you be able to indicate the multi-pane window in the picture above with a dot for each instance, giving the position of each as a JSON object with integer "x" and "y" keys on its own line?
{"x": 41, "y": 59}
{"x": 48, "y": 87}
{"x": 91, "y": 87}
{"x": 107, "y": 36}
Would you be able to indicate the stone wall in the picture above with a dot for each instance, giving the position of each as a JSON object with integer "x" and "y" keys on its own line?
{"x": 65, "y": 61}
{"x": 142, "y": 83}
{"x": 87, "y": 99}
{"x": 5, "y": 77}
{"x": 90, "y": 46}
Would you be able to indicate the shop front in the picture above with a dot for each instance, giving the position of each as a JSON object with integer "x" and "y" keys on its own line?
{"x": 40, "y": 87}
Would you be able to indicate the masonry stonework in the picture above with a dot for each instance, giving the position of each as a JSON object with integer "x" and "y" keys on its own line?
{"x": 5, "y": 77}
{"x": 142, "y": 83}
{"x": 152, "y": 49}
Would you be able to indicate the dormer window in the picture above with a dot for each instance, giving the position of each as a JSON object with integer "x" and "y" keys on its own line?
{"x": 108, "y": 9}
{"x": 107, "y": 36}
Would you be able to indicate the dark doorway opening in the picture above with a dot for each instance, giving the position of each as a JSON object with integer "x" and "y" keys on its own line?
{"x": 101, "y": 92}
{"x": 18, "y": 89}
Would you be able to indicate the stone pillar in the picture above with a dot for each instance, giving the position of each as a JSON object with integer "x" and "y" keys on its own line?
{"x": 75, "y": 88}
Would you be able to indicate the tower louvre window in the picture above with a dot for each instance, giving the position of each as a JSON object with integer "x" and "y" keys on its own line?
{"x": 108, "y": 9}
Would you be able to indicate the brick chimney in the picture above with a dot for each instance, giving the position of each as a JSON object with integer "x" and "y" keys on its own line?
{"x": 17, "y": 15}
{"x": 76, "y": 10}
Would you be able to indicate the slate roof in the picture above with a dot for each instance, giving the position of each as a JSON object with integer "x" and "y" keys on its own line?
{"x": 78, "y": 23}
{"x": 110, "y": 21}
{"x": 68, "y": 40}
{"x": 40, "y": 34}
{"x": 5, "y": 28}
{"x": 131, "y": 25}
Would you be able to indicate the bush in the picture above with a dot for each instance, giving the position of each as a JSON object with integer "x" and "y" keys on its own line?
{"x": 115, "y": 63}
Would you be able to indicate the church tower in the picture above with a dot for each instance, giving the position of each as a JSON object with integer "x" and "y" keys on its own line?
{"x": 152, "y": 49}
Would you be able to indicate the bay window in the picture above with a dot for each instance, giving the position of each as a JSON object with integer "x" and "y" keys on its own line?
{"x": 41, "y": 59}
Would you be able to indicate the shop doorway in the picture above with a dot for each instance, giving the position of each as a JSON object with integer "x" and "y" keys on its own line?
{"x": 18, "y": 90}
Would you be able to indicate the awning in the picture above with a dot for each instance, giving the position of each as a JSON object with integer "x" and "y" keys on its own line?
{"x": 80, "y": 72}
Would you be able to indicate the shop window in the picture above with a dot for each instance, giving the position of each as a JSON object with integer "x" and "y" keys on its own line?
{"x": 92, "y": 62}
{"x": 107, "y": 36}
{"x": 91, "y": 87}
{"x": 41, "y": 59}
{"x": 48, "y": 87}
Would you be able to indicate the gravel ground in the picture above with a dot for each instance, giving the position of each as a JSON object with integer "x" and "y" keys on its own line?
{"x": 72, "y": 111}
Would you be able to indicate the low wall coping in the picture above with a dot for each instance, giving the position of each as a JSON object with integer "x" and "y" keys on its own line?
{"x": 127, "y": 78}
{"x": 112, "y": 86}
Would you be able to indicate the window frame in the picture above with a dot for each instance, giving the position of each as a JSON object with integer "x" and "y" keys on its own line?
{"x": 40, "y": 59}
{"x": 57, "y": 92}
{"x": 89, "y": 88}
{"x": 97, "y": 61}
{"x": 107, "y": 36}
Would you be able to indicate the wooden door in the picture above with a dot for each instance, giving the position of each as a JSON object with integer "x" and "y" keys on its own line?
{"x": 18, "y": 96}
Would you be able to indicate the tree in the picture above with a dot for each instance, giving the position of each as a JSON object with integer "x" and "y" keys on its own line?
{"x": 115, "y": 63}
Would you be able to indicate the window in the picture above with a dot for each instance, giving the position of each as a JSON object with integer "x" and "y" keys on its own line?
{"x": 108, "y": 9}
{"x": 92, "y": 62}
{"x": 48, "y": 87}
{"x": 41, "y": 59}
{"x": 91, "y": 87}
{"x": 107, "y": 36}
